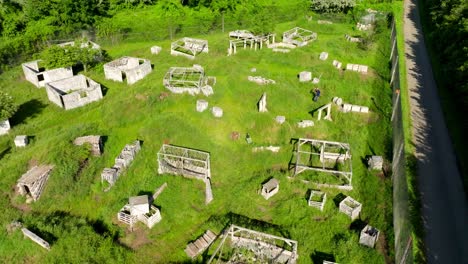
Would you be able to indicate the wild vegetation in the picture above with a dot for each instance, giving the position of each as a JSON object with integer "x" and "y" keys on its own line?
{"x": 79, "y": 219}
{"x": 445, "y": 25}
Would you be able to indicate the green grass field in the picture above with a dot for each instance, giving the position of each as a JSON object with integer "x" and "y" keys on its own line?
{"x": 80, "y": 219}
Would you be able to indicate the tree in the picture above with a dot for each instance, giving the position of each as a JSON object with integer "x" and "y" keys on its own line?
{"x": 326, "y": 6}
{"x": 68, "y": 56}
{"x": 7, "y": 106}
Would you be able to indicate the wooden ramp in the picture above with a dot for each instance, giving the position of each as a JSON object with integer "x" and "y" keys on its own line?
{"x": 196, "y": 247}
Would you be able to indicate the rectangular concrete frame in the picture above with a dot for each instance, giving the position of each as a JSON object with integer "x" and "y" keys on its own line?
{"x": 73, "y": 92}
{"x": 189, "y": 47}
{"x": 301, "y": 165}
{"x": 299, "y": 36}
{"x": 246, "y": 238}
{"x": 190, "y": 163}
{"x": 131, "y": 68}
{"x": 39, "y": 77}
{"x": 185, "y": 79}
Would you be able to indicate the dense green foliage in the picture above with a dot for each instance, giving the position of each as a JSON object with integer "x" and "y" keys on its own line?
{"x": 333, "y": 5}
{"x": 7, "y": 106}
{"x": 446, "y": 26}
{"x": 56, "y": 56}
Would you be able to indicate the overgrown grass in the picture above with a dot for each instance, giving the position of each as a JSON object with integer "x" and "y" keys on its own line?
{"x": 80, "y": 218}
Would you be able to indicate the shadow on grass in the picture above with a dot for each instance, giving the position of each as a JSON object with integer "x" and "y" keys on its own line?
{"x": 61, "y": 223}
{"x": 338, "y": 198}
{"x": 357, "y": 225}
{"x": 27, "y": 110}
{"x": 5, "y": 152}
{"x": 318, "y": 257}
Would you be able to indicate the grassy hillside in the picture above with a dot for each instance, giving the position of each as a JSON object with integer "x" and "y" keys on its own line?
{"x": 80, "y": 219}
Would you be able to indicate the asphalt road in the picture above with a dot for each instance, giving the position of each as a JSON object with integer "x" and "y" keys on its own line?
{"x": 444, "y": 206}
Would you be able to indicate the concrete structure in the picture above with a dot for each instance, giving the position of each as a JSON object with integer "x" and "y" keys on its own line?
{"x": 350, "y": 207}
{"x": 202, "y": 105}
{"x": 338, "y": 101}
{"x": 262, "y": 104}
{"x": 327, "y": 108}
{"x": 305, "y": 76}
{"x": 273, "y": 149}
{"x": 375, "y": 162}
{"x": 4, "y": 127}
{"x": 83, "y": 44}
{"x": 270, "y": 188}
{"x": 124, "y": 159}
{"x": 73, "y": 92}
{"x": 217, "y": 111}
{"x": 190, "y": 163}
{"x": 280, "y": 119}
{"x": 328, "y": 157}
{"x": 155, "y": 50}
{"x": 323, "y": 56}
{"x": 260, "y": 80}
{"x": 189, "y": 47}
{"x": 354, "y": 108}
{"x": 352, "y": 39}
{"x": 21, "y": 141}
{"x": 32, "y": 183}
{"x": 369, "y": 236}
{"x": 197, "y": 247}
{"x": 244, "y": 38}
{"x": 317, "y": 199}
{"x": 41, "y": 242}
{"x": 94, "y": 141}
{"x": 152, "y": 217}
{"x": 357, "y": 68}
{"x": 129, "y": 68}
{"x": 337, "y": 64}
{"x": 191, "y": 80}
{"x": 39, "y": 76}
{"x": 265, "y": 247}
{"x": 299, "y": 36}
{"x": 305, "y": 123}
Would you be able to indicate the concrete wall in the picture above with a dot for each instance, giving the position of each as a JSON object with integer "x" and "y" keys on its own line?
{"x": 113, "y": 73}
{"x": 74, "y": 92}
{"x": 139, "y": 72}
{"x": 4, "y": 127}
{"x": 32, "y": 73}
{"x": 134, "y": 71}
{"x": 30, "y": 70}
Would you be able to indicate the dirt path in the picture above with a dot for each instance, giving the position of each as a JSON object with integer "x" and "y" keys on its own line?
{"x": 444, "y": 207}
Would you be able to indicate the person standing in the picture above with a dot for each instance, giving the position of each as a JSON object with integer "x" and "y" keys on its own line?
{"x": 316, "y": 94}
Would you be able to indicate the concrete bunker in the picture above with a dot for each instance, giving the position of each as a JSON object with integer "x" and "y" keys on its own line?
{"x": 350, "y": 207}
{"x": 130, "y": 68}
{"x": 191, "y": 80}
{"x": 324, "y": 158}
{"x": 188, "y": 162}
{"x": 94, "y": 141}
{"x": 32, "y": 183}
{"x": 317, "y": 199}
{"x": 270, "y": 188}
{"x": 39, "y": 76}
{"x": 140, "y": 208}
{"x": 73, "y": 92}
